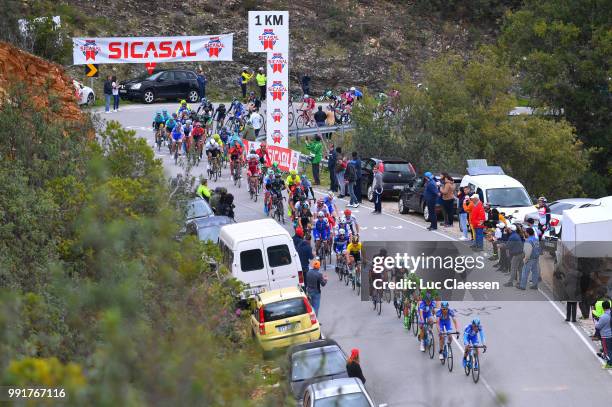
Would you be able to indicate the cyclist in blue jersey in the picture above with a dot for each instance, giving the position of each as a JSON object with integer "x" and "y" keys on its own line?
{"x": 427, "y": 312}
{"x": 343, "y": 225}
{"x": 158, "y": 119}
{"x": 445, "y": 315}
{"x": 321, "y": 230}
{"x": 171, "y": 122}
{"x": 330, "y": 202}
{"x": 177, "y": 137}
{"x": 340, "y": 242}
{"x": 183, "y": 107}
{"x": 165, "y": 115}
{"x": 235, "y": 139}
{"x": 470, "y": 338}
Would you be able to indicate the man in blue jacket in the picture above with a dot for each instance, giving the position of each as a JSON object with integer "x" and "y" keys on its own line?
{"x": 430, "y": 196}
{"x": 201, "y": 84}
{"x": 304, "y": 251}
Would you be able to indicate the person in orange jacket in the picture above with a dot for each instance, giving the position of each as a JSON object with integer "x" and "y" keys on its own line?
{"x": 467, "y": 208}
{"x": 477, "y": 219}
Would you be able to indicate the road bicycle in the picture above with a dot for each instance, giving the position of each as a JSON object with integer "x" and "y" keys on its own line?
{"x": 214, "y": 168}
{"x": 377, "y": 300}
{"x": 398, "y": 302}
{"x": 429, "y": 340}
{"x": 160, "y": 136}
{"x": 176, "y": 147}
{"x": 237, "y": 174}
{"x": 340, "y": 266}
{"x": 353, "y": 274}
{"x": 254, "y": 187}
{"x": 322, "y": 250}
{"x": 277, "y": 208}
{"x": 447, "y": 350}
{"x": 472, "y": 363}
{"x": 412, "y": 315}
{"x": 303, "y": 120}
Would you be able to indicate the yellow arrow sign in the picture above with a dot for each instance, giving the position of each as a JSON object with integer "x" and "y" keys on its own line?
{"x": 91, "y": 70}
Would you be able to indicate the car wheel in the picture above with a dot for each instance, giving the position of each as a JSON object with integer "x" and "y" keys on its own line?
{"x": 370, "y": 193}
{"x": 193, "y": 96}
{"x": 90, "y": 99}
{"x": 148, "y": 96}
{"x": 425, "y": 212}
{"x": 402, "y": 207}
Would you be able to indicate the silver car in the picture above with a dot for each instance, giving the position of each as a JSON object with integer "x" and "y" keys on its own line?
{"x": 346, "y": 392}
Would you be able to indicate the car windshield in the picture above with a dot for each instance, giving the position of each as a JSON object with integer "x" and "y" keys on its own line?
{"x": 154, "y": 76}
{"x": 198, "y": 208}
{"x": 210, "y": 233}
{"x": 344, "y": 400}
{"x": 397, "y": 167}
{"x": 284, "y": 309}
{"x": 508, "y": 197}
{"x": 309, "y": 364}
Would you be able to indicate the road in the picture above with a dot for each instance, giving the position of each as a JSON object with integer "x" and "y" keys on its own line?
{"x": 534, "y": 358}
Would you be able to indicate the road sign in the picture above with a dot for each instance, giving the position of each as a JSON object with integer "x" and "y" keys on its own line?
{"x": 91, "y": 70}
{"x": 269, "y": 31}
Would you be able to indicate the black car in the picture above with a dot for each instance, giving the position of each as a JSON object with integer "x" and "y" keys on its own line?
{"x": 314, "y": 362}
{"x": 207, "y": 229}
{"x": 397, "y": 174}
{"x": 411, "y": 198}
{"x": 170, "y": 84}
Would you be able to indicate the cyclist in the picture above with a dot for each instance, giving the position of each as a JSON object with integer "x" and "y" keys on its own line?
{"x": 307, "y": 187}
{"x": 293, "y": 178}
{"x": 304, "y": 217}
{"x": 264, "y": 157}
{"x": 330, "y": 202}
{"x": 253, "y": 102}
{"x": 165, "y": 115}
{"x": 354, "y": 253}
{"x": 321, "y": 207}
{"x": 340, "y": 243}
{"x": 267, "y": 188}
{"x": 342, "y": 225}
{"x": 308, "y": 105}
{"x": 427, "y": 310}
{"x": 177, "y": 138}
{"x": 351, "y": 220}
{"x": 171, "y": 122}
{"x": 205, "y": 107}
{"x": 158, "y": 119}
{"x": 321, "y": 230}
{"x": 296, "y": 198}
{"x": 213, "y": 151}
{"x": 470, "y": 338}
{"x": 445, "y": 315}
{"x": 275, "y": 168}
{"x": 219, "y": 115}
{"x": 187, "y": 128}
{"x": 235, "y": 152}
{"x": 253, "y": 167}
{"x": 183, "y": 108}
{"x": 356, "y": 93}
{"x": 238, "y": 109}
{"x": 276, "y": 188}
{"x": 198, "y": 138}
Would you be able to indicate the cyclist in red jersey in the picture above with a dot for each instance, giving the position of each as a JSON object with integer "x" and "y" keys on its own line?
{"x": 308, "y": 105}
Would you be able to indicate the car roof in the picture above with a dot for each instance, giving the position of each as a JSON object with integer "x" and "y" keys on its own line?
{"x": 335, "y": 387}
{"x": 493, "y": 181}
{"x": 390, "y": 159}
{"x": 255, "y": 229}
{"x": 211, "y": 221}
{"x": 312, "y": 345}
{"x": 280, "y": 294}
{"x": 575, "y": 201}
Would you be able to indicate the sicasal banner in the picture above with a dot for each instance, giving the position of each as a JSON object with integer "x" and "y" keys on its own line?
{"x": 122, "y": 50}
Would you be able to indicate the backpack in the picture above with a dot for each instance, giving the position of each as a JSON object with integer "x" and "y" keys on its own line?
{"x": 351, "y": 173}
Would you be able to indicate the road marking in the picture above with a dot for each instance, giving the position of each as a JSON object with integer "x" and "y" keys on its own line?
{"x": 482, "y": 379}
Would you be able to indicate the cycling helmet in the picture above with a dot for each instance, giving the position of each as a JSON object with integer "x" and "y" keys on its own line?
{"x": 347, "y": 213}
{"x": 428, "y": 175}
{"x": 320, "y": 214}
{"x": 342, "y": 231}
{"x": 293, "y": 172}
{"x": 270, "y": 172}
{"x": 444, "y": 304}
{"x": 174, "y": 115}
{"x": 275, "y": 165}
{"x": 352, "y": 88}
{"x": 543, "y": 199}
{"x": 342, "y": 219}
{"x": 306, "y": 96}
{"x": 165, "y": 111}
{"x": 476, "y": 321}
{"x": 203, "y": 100}
{"x": 501, "y": 225}
{"x": 189, "y": 122}
{"x": 183, "y": 102}
{"x": 305, "y": 205}
{"x": 245, "y": 68}
{"x": 261, "y": 69}
{"x": 330, "y": 194}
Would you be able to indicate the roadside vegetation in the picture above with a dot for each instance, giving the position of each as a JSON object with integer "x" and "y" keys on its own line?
{"x": 94, "y": 287}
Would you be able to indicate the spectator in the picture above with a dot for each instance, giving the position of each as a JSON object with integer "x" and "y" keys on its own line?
{"x": 298, "y": 237}
{"x": 316, "y": 148}
{"x": 330, "y": 119}
{"x": 320, "y": 117}
{"x": 604, "y": 327}
{"x": 332, "y": 157}
{"x": 351, "y": 178}
{"x": 315, "y": 280}
{"x": 353, "y": 368}
{"x": 261, "y": 80}
{"x": 115, "y": 86}
{"x": 448, "y": 199}
{"x": 377, "y": 189}
{"x": 430, "y": 195}
{"x": 340, "y": 169}
{"x": 203, "y": 191}
{"x": 108, "y": 92}
{"x": 357, "y": 162}
{"x": 463, "y": 198}
{"x": 304, "y": 251}
{"x": 531, "y": 251}
{"x": 256, "y": 120}
{"x": 477, "y": 219}
{"x": 306, "y": 84}
{"x": 201, "y": 83}
{"x": 245, "y": 78}
{"x": 515, "y": 253}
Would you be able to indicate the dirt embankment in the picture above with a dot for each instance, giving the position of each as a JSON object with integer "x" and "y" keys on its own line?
{"x": 44, "y": 81}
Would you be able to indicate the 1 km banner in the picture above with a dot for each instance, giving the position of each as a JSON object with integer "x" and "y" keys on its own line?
{"x": 122, "y": 50}
{"x": 286, "y": 158}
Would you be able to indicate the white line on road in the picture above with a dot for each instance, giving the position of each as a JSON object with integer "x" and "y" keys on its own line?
{"x": 482, "y": 379}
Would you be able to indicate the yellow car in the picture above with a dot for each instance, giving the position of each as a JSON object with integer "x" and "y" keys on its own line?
{"x": 282, "y": 318}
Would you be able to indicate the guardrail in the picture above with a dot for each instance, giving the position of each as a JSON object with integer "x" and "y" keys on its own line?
{"x": 309, "y": 131}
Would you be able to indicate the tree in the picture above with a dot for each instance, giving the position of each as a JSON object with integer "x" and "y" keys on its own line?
{"x": 562, "y": 50}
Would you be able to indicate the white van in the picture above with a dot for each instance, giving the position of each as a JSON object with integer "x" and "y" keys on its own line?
{"x": 499, "y": 190}
{"x": 261, "y": 254}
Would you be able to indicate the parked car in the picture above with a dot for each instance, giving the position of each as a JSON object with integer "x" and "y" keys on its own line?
{"x": 315, "y": 362}
{"x": 338, "y": 392}
{"x": 556, "y": 217}
{"x": 207, "y": 228}
{"x": 169, "y": 84}
{"x": 396, "y": 175}
{"x": 84, "y": 94}
{"x": 282, "y": 318}
{"x": 411, "y": 198}
{"x": 196, "y": 209}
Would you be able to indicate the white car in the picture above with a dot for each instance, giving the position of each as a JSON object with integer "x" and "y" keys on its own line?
{"x": 85, "y": 95}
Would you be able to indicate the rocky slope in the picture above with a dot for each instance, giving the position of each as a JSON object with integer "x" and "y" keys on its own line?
{"x": 339, "y": 43}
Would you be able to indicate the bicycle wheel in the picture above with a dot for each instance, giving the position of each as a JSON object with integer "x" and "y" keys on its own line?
{"x": 388, "y": 295}
{"x": 468, "y": 365}
{"x": 414, "y": 321}
{"x": 290, "y": 118}
{"x": 301, "y": 121}
{"x": 449, "y": 357}
{"x": 397, "y": 303}
{"x": 444, "y": 350}
{"x": 353, "y": 278}
{"x": 379, "y": 305}
{"x": 476, "y": 368}
{"x": 432, "y": 344}
{"x": 347, "y": 276}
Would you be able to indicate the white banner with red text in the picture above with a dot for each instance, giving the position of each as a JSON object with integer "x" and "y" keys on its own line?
{"x": 122, "y": 50}
{"x": 286, "y": 158}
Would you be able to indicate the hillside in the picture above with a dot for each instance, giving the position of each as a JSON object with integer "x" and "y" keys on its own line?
{"x": 339, "y": 43}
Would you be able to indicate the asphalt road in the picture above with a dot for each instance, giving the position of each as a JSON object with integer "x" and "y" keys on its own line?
{"x": 534, "y": 357}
